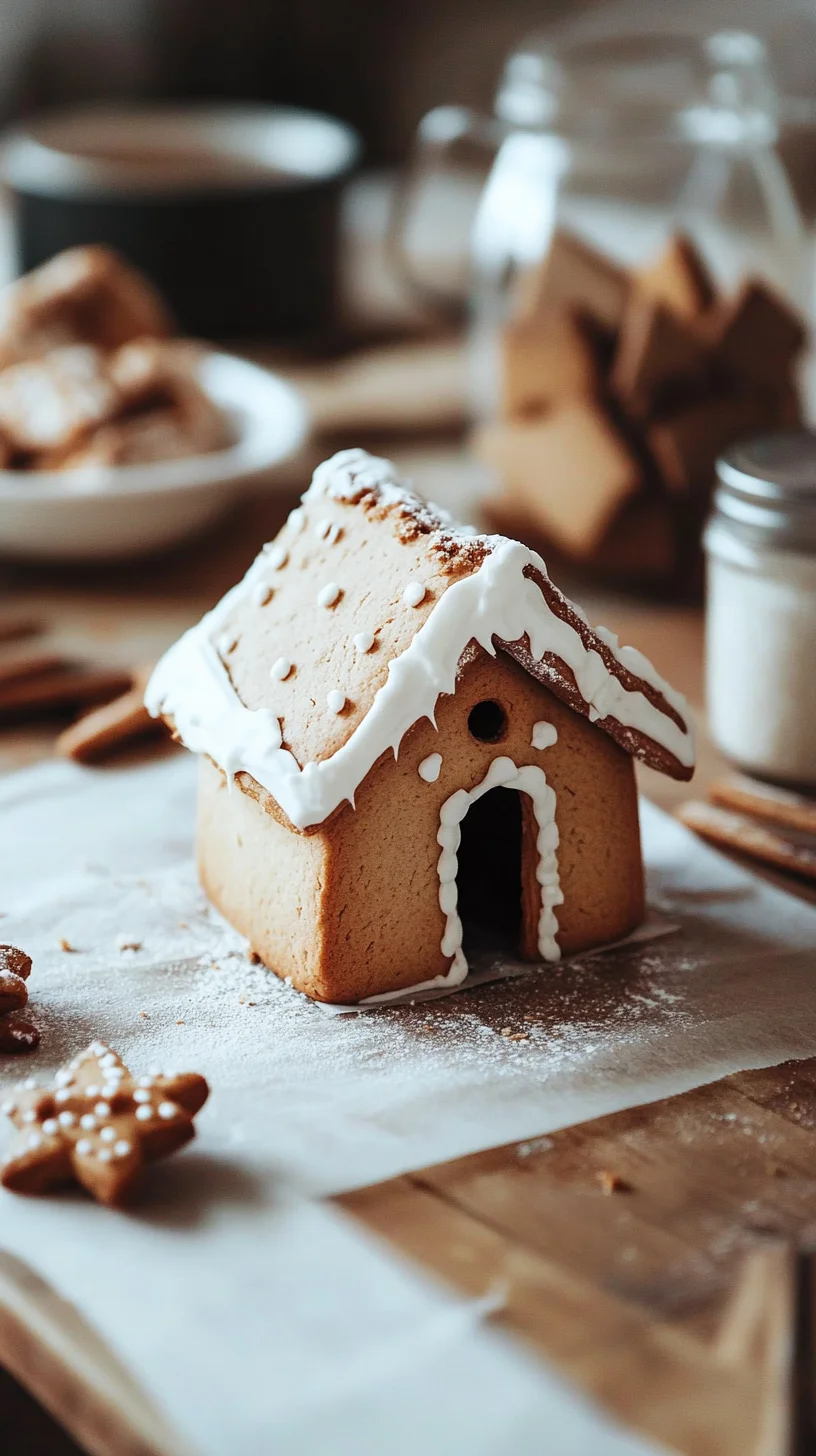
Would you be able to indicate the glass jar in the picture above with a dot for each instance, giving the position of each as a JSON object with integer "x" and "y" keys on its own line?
{"x": 623, "y": 143}
{"x": 761, "y": 617}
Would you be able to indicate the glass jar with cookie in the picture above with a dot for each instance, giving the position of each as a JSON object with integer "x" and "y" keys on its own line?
{"x": 640, "y": 289}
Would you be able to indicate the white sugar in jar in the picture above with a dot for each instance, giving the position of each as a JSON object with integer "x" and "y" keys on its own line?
{"x": 761, "y": 615}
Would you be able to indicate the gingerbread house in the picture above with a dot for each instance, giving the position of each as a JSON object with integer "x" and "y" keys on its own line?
{"x": 412, "y": 743}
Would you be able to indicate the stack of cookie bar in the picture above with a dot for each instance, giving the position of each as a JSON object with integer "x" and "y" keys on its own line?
{"x": 89, "y": 377}
{"x": 618, "y": 390}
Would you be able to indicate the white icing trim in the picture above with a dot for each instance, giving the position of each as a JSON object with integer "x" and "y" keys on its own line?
{"x": 192, "y": 686}
{"x": 530, "y": 780}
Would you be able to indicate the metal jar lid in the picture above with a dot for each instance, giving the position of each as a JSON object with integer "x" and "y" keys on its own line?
{"x": 766, "y": 489}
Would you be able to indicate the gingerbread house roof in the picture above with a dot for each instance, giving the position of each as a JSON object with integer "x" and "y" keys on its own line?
{"x": 348, "y": 627}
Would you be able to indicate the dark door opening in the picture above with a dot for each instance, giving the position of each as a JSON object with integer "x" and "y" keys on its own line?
{"x": 489, "y": 874}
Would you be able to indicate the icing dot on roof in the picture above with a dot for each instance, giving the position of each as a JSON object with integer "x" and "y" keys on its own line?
{"x": 430, "y": 768}
{"x": 328, "y": 594}
{"x": 363, "y": 641}
{"x": 262, "y": 594}
{"x": 334, "y": 532}
{"x": 277, "y": 556}
{"x": 297, "y": 519}
{"x": 227, "y": 643}
{"x": 414, "y": 593}
{"x": 336, "y": 700}
{"x": 322, "y": 529}
{"x": 280, "y": 669}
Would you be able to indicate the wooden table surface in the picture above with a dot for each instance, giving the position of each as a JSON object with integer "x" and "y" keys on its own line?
{"x": 629, "y": 1291}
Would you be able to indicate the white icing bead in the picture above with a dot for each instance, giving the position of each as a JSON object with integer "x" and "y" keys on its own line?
{"x": 168, "y": 1110}
{"x": 93, "y": 1091}
{"x": 414, "y": 593}
{"x": 227, "y": 643}
{"x": 84, "y": 1146}
{"x": 8, "y": 1108}
{"x": 66, "y": 1119}
{"x": 88, "y": 1122}
{"x": 277, "y": 556}
{"x": 109, "y": 1060}
{"x": 327, "y": 596}
{"x": 145, "y": 1082}
{"x": 63, "y": 1095}
{"x": 110, "y": 1090}
{"x": 96, "y": 1049}
{"x": 62, "y": 1078}
{"x": 363, "y": 641}
{"x": 297, "y": 519}
{"x": 30, "y": 1084}
{"x": 104, "y": 1155}
{"x": 30, "y": 1115}
{"x": 262, "y": 594}
{"x": 430, "y": 767}
{"x": 108, "y": 1134}
{"x": 143, "y": 1114}
{"x": 280, "y": 668}
{"x": 141, "y": 1095}
{"x": 102, "y": 1109}
{"x": 122, "y": 1148}
{"x": 544, "y": 735}
{"x": 34, "y": 1140}
{"x": 336, "y": 700}
{"x": 51, "y": 1126}
{"x": 322, "y": 529}
{"x": 334, "y": 533}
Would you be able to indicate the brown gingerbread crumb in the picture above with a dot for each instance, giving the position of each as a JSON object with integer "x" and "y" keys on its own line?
{"x": 518, "y": 1036}
{"x": 145, "y": 1015}
{"x": 66, "y": 945}
{"x": 612, "y": 1182}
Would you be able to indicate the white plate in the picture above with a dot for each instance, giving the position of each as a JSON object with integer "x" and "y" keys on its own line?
{"x": 133, "y": 509}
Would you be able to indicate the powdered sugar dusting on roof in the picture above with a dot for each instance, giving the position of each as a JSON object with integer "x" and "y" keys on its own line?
{"x": 357, "y": 478}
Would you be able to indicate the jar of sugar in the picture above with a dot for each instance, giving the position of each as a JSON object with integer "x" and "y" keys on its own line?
{"x": 761, "y": 617}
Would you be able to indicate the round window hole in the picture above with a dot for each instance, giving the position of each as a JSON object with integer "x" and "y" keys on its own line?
{"x": 487, "y": 722}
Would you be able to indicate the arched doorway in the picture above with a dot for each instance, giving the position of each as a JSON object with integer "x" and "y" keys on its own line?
{"x": 498, "y": 869}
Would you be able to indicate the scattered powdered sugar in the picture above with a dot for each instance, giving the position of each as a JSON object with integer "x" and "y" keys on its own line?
{"x": 344, "y": 1100}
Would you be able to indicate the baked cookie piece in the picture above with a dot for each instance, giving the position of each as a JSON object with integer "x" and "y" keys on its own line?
{"x": 98, "y": 1125}
{"x": 17, "y": 1035}
{"x": 84, "y": 295}
{"x": 46, "y": 405}
{"x": 163, "y": 412}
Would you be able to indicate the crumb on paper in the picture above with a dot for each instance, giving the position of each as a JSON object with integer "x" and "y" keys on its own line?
{"x": 518, "y": 1036}
{"x": 613, "y": 1182}
{"x": 179, "y": 1023}
{"x": 127, "y": 942}
{"x": 145, "y": 1015}
{"x": 66, "y": 945}
{"x": 244, "y": 999}
{"x": 506, "y": 1031}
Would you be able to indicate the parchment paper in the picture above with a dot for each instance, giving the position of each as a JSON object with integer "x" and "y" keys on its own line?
{"x": 256, "y": 1320}
{"x": 100, "y": 857}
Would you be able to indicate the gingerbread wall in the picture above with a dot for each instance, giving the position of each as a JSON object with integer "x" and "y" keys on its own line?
{"x": 381, "y": 902}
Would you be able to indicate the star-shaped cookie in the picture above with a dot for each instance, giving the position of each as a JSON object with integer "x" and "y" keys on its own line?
{"x": 98, "y": 1125}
